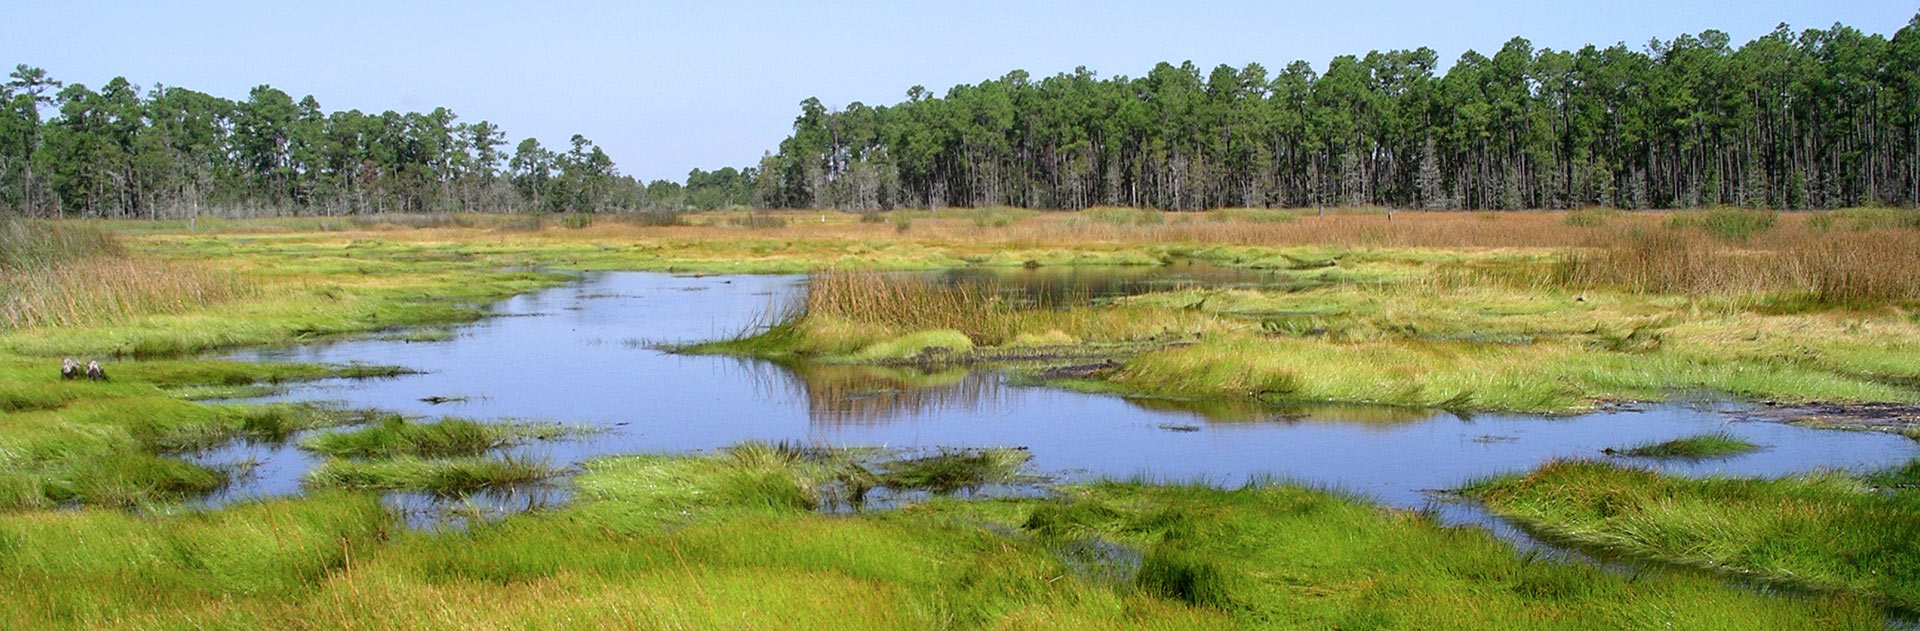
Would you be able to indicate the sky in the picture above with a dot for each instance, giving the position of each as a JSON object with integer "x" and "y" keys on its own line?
{"x": 668, "y": 87}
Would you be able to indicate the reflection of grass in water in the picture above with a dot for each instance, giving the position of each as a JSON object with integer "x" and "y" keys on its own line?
{"x": 1711, "y": 445}
{"x": 838, "y": 393}
{"x": 1827, "y": 531}
{"x": 1243, "y": 410}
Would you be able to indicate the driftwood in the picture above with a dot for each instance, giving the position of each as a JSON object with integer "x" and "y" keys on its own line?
{"x": 70, "y": 368}
{"x": 95, "y": 372}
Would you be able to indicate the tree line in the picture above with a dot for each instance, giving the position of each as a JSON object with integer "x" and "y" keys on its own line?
{"x": 122, "y": 151}
{"x": 1814, "y": 119}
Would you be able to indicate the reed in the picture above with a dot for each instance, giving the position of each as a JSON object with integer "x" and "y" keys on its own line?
{"x": 1853, "y": 268}
{"x": 27, "y": 244}
{"x": 978, "y": 309}
{"x": 110, "y": 290}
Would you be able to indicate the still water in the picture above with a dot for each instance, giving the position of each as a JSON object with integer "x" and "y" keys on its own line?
{"x": 584, "y": 354}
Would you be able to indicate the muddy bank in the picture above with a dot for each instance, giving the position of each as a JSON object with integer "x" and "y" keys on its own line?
{"x": 1895, "y": 418}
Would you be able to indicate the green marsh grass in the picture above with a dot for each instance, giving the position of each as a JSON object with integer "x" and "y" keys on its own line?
{"x": 952, "y": 470}
{"x": 394, "y": 435}
{"x": 1821, "y": 531}
{"x": 728, "y": 540}
{"x": 1702, "y": 446}
{"x": 443, "y": 476}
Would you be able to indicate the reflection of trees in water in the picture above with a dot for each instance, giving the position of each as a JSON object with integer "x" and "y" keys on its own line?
{"x": 871, "y": 395}
{"x": 1230, "y": 410}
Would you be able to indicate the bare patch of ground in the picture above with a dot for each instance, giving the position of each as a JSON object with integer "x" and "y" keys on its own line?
{"x": 1896, "y": 418}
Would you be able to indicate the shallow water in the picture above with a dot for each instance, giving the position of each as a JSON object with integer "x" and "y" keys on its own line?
{"x": 581, "y": 354}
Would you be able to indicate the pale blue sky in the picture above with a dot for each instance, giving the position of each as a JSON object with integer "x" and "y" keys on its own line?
{"x": 668, "y": 87}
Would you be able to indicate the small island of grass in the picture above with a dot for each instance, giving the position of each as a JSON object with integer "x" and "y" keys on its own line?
{"x": 1709, "y": 445}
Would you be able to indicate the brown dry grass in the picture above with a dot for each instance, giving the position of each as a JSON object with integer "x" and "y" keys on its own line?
{"x": 1872, "y": 266}
{"x": 1832, "y": 257}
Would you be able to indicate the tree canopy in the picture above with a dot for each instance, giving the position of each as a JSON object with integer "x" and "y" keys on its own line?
{"x": 1819, "y": 118}
{"x": 1811, "y": 119}
{"x": 124, "y": 151}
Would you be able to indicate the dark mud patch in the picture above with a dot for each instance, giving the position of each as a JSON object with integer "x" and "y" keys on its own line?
{"x": 1893, "y": 418}
{"x": 1080, "y": 371}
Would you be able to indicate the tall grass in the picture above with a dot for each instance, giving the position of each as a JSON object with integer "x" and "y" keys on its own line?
{"x": 1874, "y": 266}
{"x": 97, "y": 291}
{"x": 66, "y": 275}
{"x": 1727, "y": 224}
{"x": 977, "y": 309}
{"x": 27, "y": 244}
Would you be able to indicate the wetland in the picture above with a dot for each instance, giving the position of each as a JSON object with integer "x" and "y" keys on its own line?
{"x": 1327, "y": 421}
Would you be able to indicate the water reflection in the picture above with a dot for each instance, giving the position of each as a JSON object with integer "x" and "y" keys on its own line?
{"x": 574, "y": 356}
{"x": 1221, "y": 410}
{"x": 838, "y": 395}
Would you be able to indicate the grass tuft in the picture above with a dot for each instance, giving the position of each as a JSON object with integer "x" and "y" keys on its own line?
{"x": 448, "y": 476}
{"x": 1711, "y": 445}
{"x": 1823, "y": 531}
{"x": 394, "y": 435}
{"x": 952, "y": 470}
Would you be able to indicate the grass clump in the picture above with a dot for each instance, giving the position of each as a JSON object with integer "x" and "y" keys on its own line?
{"x": 1588, "y": 217}
{"x": 1735, "y": 225}
{"x": 899, "y": 302}
{"x": 444, "y": 476}
{"x": 1865, "y": 219}
{"x": 1117, "y": 216}
{"x": 1710, "y": 445}
{"x": 952, "y": 470}
{"x": 394, "y": 435}
{"x": 1824, "y": 531}
{"x": 919, "y": 346}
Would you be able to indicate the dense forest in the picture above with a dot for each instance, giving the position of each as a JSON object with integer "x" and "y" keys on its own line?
{"x": 1815, "y": 119}
{"x": 167, "y": 151}
{"x": 1821, "y": 118}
